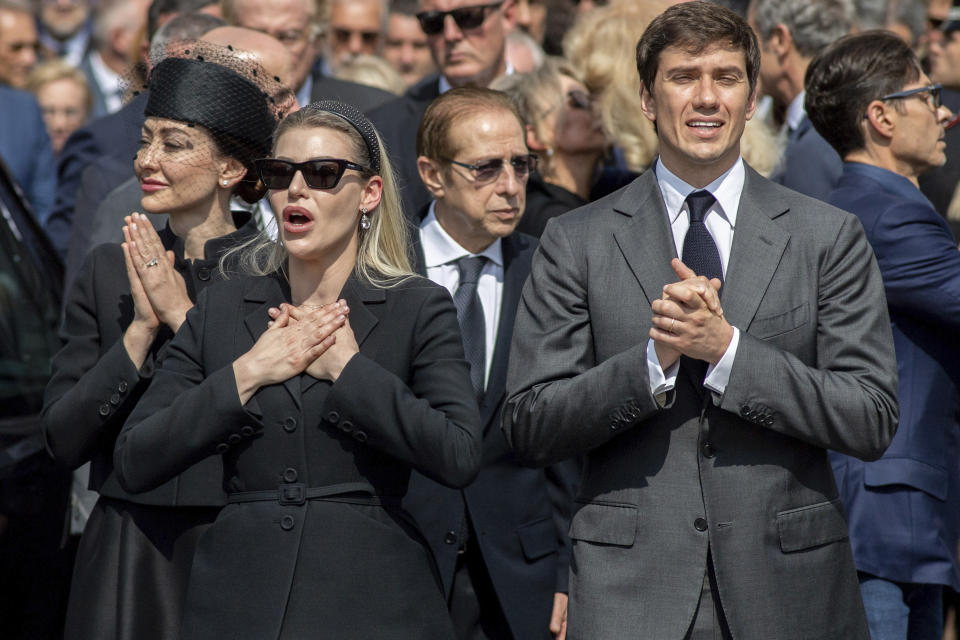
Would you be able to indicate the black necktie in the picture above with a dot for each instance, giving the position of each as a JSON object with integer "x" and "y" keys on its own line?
{"x": 470, "y": 315}
{"x": 699, "y": 250}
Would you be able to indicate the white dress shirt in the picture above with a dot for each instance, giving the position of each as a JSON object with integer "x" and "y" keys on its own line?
{"x": 110, "y": 82}
{"x": 721, "y": 220}
{"x": 441, "y": 253}
{"x": 795, "y": 112}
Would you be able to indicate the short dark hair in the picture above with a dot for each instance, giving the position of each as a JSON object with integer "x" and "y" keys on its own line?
{"x": 433, "y": 136}
{"x": 847, "y": 76}
{"x": 695, "y": 26}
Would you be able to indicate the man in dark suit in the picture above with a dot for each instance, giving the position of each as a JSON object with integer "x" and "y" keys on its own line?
{"x": 791, "y": 32}
{"x": 25, "y": 148}
{"x": 295, "y": 23}
{"x": 707, "y": 507}
{"x": 501, "y": 542}
{"x": 870, "y": 99}
{"x": 467, "y": 39}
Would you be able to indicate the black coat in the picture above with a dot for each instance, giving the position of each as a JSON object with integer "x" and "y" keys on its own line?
{"x": 520, "y": 515}
{"x": 545, "y": 201}
{"x": 324, "y": 546}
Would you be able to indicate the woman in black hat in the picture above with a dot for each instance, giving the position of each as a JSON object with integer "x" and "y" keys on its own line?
{"x": 209, "y": 114}
{"x": 321, "y": 381}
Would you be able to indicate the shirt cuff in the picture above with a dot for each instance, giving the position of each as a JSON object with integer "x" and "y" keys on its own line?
{"x": 661, "y": 382}
{"x": 718, "y": 375}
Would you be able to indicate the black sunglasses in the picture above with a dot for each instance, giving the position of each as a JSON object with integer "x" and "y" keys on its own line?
{"x": 318, "y": 174}
{"x": 466, "y": 17}
{"x": 577, "y": 99}
{"x": 490, "y": 170}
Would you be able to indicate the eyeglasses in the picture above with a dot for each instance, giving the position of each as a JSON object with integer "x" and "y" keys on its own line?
{"x": 934, "y": 91}
{"x": 466, "y": 17}
{"x": 577, "y": 99}
{"x": 490, "y": 170}
{"x": 318, "y": 174}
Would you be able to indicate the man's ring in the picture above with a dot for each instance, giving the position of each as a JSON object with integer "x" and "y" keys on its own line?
{"x": 152, "y": 263}
{"x": 672, "y": 322}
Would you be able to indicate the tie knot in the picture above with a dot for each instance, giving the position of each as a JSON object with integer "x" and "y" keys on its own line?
{"x": 470, "y": 268}
{"x": 699, "y": 203}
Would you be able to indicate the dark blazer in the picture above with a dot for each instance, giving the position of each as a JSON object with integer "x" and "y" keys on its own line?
{"x": 96, "y": 91}
{"x": 746, "y": 476}
{"x": 545, "y": 201}
{"x": 809, "y": 165}
{"x": 116, "y": 135}
{"x": 95, "y": 384}
{"x": 910, "y": 534}
{"x": 25, "y": 148}
{"x": 398, "y": 121}
{"x": 520, "y": 515}
{"x": 333, "y": 552}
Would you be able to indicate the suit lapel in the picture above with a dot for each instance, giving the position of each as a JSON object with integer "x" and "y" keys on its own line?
{"x": 758, "y": 245}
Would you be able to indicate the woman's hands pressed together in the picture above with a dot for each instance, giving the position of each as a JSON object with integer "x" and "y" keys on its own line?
{"x": 294, "y": 341}
{"x": 153, "y": 265}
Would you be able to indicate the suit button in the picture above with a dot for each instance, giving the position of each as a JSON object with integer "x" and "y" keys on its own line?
{"x": 768, "y": 420}
{"x": 360, "y": 436}
{"x": 203, "y": 273}
{"x": 745, "y": 411}
{"x": 333, "y": 416}
{"x": 289, "y": 475}
{"x": 346, "y": 426}
{"x": 246, "y": 431}
{"x": 223, "y": 447}
{"x": 290, "y": 424}
{"x": 287, "y": 522}
{"x": 234, "y": 438}
{"x": 708, "y": 450}
{"x": 122, "y": 387}
{"x": 450, "y": 538}
{"x": 104, "y": 409}
{"x": 700, "y": 524}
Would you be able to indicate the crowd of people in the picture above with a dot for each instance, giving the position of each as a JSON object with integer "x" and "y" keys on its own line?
{"x": 478, "y": 320}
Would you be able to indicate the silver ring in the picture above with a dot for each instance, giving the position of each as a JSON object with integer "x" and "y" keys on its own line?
{"x": 673, "y": 322}
{"x": 152, "y": 263}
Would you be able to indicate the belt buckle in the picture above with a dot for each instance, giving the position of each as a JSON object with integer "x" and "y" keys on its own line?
{"x": 294, "y": 494}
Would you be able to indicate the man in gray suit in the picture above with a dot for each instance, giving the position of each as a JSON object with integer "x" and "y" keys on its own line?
{"x": 707, "y": 508}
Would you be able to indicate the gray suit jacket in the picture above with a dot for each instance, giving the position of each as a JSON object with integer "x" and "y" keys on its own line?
{"x": 750, "y": 477}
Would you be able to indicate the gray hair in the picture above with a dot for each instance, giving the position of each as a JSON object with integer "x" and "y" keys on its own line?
{"x": 111, "y": 15}
{"x": 813, "y": 24}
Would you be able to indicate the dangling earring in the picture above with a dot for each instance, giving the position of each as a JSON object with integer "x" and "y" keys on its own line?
{"x": 364, "y": 219}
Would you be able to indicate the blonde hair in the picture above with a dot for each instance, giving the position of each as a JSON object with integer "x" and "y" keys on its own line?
{"x": 372, "y": 71}
{"x": 383, "y": 258}
{"x": 59, "y": 69}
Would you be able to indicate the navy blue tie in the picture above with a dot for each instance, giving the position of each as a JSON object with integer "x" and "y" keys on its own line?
{"x": 470, "y": 315}
{"x": 700, "y": 252}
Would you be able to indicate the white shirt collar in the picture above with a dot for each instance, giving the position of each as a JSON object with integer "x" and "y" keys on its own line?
{"x": 795, "y": 112}
{"x": 726, "y": 189}
{"x": 440, "y": 248}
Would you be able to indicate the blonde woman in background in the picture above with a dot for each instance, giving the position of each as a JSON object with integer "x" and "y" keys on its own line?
{"x": 64, "y": 97}
{"x": 595, "y": 46}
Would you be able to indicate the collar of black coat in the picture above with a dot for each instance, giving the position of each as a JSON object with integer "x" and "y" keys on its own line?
{"x": 213, "y": 248}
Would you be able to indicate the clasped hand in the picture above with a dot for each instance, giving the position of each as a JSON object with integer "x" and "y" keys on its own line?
{"x": 688, "y": 320}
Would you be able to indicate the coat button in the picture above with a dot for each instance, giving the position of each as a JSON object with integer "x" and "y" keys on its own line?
{"x": 745, "y": 411}
{"x": 346, "y": 426}
{"x": 768, "y": 421}
{"x": 246, "y": 431}
{"x": 104, "y": 409}
{"x": 333, "y": 416}
{"x": 450, "y": 538}
{"x": 289, "y": 424}
{"x": 287, "y": 522}
{"x": 122, "y": 387}
{"x": 203, "y": 273}
{"x": 115, "y": 399}
{"x": 708, "y": 450}
{"x": 223, "y": 447}
{"x": 234, "y": 438}
{"x": 360, "y": 436}
{"x": 700, "y": 524}
{"x": 289, "y": 475}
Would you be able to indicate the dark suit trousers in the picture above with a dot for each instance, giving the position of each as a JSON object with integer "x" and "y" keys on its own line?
{"x": 474, "y": 607}
{"x": 709, "y": 622}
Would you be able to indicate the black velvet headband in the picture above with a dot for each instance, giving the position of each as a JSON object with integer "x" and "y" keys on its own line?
{"x": 214, "y": 97}
{"x": 359, "y": 122}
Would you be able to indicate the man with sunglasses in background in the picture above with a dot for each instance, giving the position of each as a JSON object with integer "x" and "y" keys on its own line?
{"x": 868, "y": 96}
{"x": 467, "y": 40}
{"x": 500, "y": 543}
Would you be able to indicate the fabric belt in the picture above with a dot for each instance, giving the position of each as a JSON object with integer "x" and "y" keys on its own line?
{"x": 298, "y": 494}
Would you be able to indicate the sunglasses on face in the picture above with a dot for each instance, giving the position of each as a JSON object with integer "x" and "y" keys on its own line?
{"x": 577, "y": 99}
{"x": 466, "y": 17}
{"x": 490, "y": 170}
{"x": 318, "y": 174}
